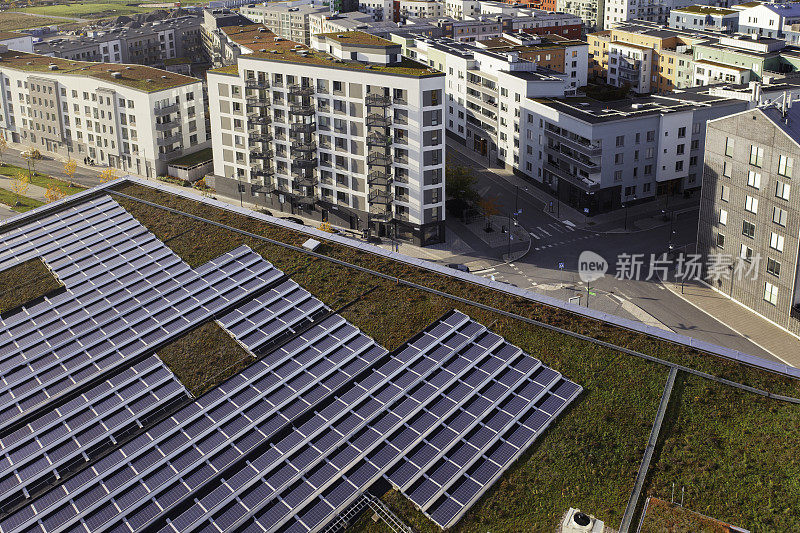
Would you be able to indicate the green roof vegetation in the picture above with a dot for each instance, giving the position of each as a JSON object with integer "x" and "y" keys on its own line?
{"x": 230, "y": 70}
{"x": 664, "y": 516}
{"x": 147, "y": 79}
{"x": 264, "y": 45}
{"x": 189, "y": 160}
{"x": 18, "y": 21}
{"x": 706, "y": 10}
{"x": 205, "y": 357}
{"x": 726, "y": 446}
{"x": 24, "y": 283}
{"x": 356, "y": 38}
{"x": 178, "y": 61}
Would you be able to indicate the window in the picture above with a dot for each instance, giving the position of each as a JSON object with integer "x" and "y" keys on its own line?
{"x": 725, "y": 193}
{"x": 756, "y": 155}
{"x": 746, "y": 253}
{"x": 720, "y": 240}
{"x": 771, "y": 293}
{"x": 620, "y": 140}
{"x": 785, "y": 165}
{"x": 729, "y": 147}
{"x": 681, "y": 133}
{"x": 754, "y": 179}
{"x": 751, "y": 204}
{"x": 651, "y": 136}
{"x": 678, "y": 166}
{"x": 618, "y": 175}
{"x": 727, "y": 169}
{"x": 782, "y": 190}
{"x": 779, "y": 216}
{"x": 748, "y": 229}
{"x": 776, "y": 242}
{"x": 773, "y": 267}
{"x": 723, "y": 217}
{"x": 680, "y": 149}
{"x": 618, "y": 159}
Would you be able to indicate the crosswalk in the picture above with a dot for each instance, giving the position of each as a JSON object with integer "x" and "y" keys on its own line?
{"x": 548, "y": 230}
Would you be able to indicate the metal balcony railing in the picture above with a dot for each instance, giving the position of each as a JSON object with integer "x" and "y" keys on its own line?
{"x": 378, "y": 139}
{"x": 256, "y": 83}
{"x": 379, "y": 159}
{"x": 378, "y": 178}
{"x": 302, "y": 127}
{"x": 257, "y": 172}
{"x": 303, "y": 162}
{"x": 166, "y": 126}
{"x": 301, "y": 90}
{"x": 378, "y": 100}
{"x": 258, "y": 118}
{"x": 302, "y": 109}
{"x": 376, "y": 120}
{"x": 169, "y": 139}
{"x": 380, "y": 212}
{"x": 259, "y": 137}
{"x": 165, "y": 110}
{"x": 261, "y": 154}
{"x": 256, "y": 101}
{"x": 304, "y": 147}
{"x": 379, "y": 197}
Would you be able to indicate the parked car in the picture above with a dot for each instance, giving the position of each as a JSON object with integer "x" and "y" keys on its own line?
{"x": 458, "y": 266}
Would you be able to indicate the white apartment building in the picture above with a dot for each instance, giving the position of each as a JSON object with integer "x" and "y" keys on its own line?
{"x": 346, "y": 131}
{"x": 289, "y": 20}
{"x": 421, "y": 8}
{"x": 459, "y": 9}
{"x": 380, "y": 9}
{"x": 615, "y": 11}
{"x": 130, "y": 117}
{"x": 487, "y": 83}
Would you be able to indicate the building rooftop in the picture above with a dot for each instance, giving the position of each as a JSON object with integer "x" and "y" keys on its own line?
{"x": 546, "y": 42}
{"x": 147, "y": 79}
{"x": 705, "y": 10}
{"x": 5, "y": 35}
{"x": 356, "y": 38}
{"x": 595, "y": 111}
{"x": 720, "y": 65}
{"x": 265, "y": 45}
{"x": 272, "y": 315}
{"x": 787, "y": 119}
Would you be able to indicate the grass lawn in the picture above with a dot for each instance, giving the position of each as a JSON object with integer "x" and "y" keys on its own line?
{"x": 204, "y": 357}
{"x": 589, "y": 457}
{"x": 25, "y": 204}
{"x": 42, "y": 180}
{"x": 100, "y": 9}
{"x": 663, "y": 516}
{"x": 190, "y": 160}
{"x": 25, "y": 282}
{"x": 19, "y": 21}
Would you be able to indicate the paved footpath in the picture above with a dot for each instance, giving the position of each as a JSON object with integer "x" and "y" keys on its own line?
{"x": 778, "y": 342}
{"x": 34, "y": 191}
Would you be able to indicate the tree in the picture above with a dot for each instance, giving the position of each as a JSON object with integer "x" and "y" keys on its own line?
{"x": 490, "y": 208}
{"x": 70, "y": 167}
{"x": 20, "y": 185}
{"x": 53, "y": 193}
{"x": 109, "y": 174}
{"x": 3, "y": 146}
{"x": 460, "y": 183}
{"x": 30, "y": 157}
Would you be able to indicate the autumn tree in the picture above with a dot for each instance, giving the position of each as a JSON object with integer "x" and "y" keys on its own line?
{"x": 3, "y": 146}
{"x": 460, "y": 183}
{"x": 20, "y": 185}
{"x": 29, "y": 156}
{"x": 70, "y": 167}
{"x": 109, "y": 174}
{"x": 53, "y": 193}
{"x": 490, "y": 208}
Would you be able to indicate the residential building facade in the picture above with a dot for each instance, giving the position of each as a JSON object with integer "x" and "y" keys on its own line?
{"x": 129, "y": 117}
{"x": 699, "y": 17}
{"x": 749, "y": 220}
{"x": 345, "y": 131}
{"x": 289, "y": 20}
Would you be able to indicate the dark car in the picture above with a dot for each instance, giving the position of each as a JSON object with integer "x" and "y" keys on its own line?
{"x": 458, "y": 266}
{"x": 293, "y": 219}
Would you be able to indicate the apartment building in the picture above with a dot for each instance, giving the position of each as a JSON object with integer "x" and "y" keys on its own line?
{"x": 217, "y": 47}
{"x": 591, "y": 12}
{"x": 650, "y": 10}
{"x": 710, "y": 18}
{"x": 421, "y": 8}
{"x": 151, "y": 43}
{"x": 380, "y": 9}
{"x": 346, "y": 130}
{"x": 357, "y": 21}
{"x": 289, "y": 20}
{"x": 769, "y": 20}
{"x": 597, "y": 156}
{"x": 749, "y": 221}
{"x": 486, "y": 85}
{"x": 130, "y": 117}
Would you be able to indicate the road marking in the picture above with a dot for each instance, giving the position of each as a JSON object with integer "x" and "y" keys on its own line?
{"x": 570, "y": 228}
{"x": 544, "y": 231}
{"x": 535, "y": 236}
{"x": 569, "y": 223}
{"x": 557, "y": 228}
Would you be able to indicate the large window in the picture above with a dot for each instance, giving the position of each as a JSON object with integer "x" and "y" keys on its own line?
{"x": 754, "y": 179}
{"x": 771, "y": 293}
{"x": 756, "y": 155}
{"x": 723, "y": 217}
{"x": 746, "y": 253}
{"x": 773, "y": 267}
{"x": 779, "y": 216}
{"x": 748, "y": 229}
{"x": 776, "y": 242}
{"x": 751, "y": 204}
{"x": 782, "y": 190}
{"x": 729, "y": 147}
{"x": 785, "y": 166}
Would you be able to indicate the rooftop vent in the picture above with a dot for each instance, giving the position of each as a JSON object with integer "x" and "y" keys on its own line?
{"x": 116, "y": 75}
{"x": 29, "y": 63}
{"x": 150, "y": 80}
{"x": 262, "y": 30}
{"x": 128, "y": 68}
{"x": 163, "y": 77}
{"x": 53, "y": 67}
{"x": 263, "y": 50}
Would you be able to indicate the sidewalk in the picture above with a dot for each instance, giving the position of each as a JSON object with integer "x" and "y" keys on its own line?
{"x": 34, "y": 191}
{"x": 727, "y": 312}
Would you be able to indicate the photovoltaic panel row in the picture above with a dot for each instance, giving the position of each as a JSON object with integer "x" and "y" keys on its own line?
{"x": 273, "y": 487}
{"x": 171, "y": 461}
{"x": 59, "y": 441}
{"x": 106, "y": 338}
{"x": 454, "y": 371}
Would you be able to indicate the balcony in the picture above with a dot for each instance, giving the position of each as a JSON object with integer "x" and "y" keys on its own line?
{"x": 169, "y": 140}
{"x": 378, "y": 178}
{"x": 378, "y": 100}
{"x": 589, "y": 150}
{"x": 257, "y": 172}
{"x": 304, "y": 147}
{"x": 380, "y": 212}
{"x": 380, "y": 197}
{"x": 256, "y": 83}
{"x": 379, "y": 159}
{"x": 302, "y": 127}
{"x": 261, "y": 154}
{"x": 301, "y": 90}
{"x": 574, "y": 158}
{"x": 302, "y": 109}
{"x": 379, "y": 139}
{"x": 166, "y": 126}
{"x": 160, "y": 111}
{"x": 259, "y": 137}
{"x": 581, "y": 182}
{"x": 303, "y": 161}
{"x": 304, "y": 180}
{"x": 376, "y": 120}
{"x": 257, "y": 101}
{"x": 258, "y": 118}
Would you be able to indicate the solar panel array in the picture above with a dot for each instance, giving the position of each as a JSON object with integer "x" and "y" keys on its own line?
{"x": 287, "y": 444}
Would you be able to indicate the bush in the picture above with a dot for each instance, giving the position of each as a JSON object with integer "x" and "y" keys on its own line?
{"x": 174, "y": 180}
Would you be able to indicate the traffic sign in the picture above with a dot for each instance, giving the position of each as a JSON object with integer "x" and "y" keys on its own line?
{"x": 561, "y": 265}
